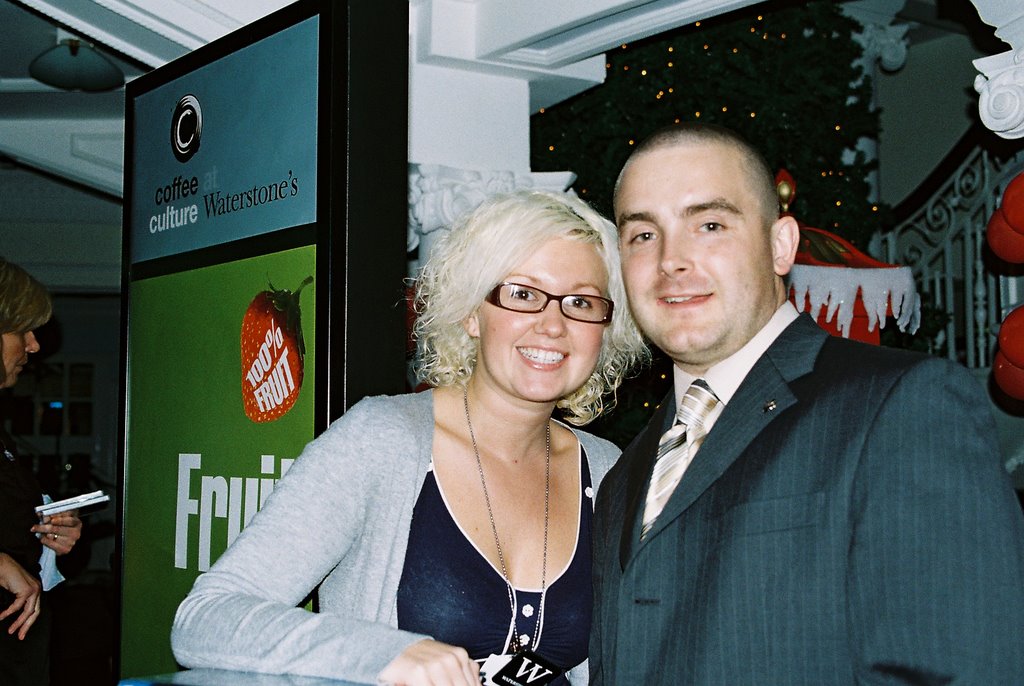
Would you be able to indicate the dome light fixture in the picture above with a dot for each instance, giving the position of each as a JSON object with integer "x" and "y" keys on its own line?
{"x": 74, "y": 65}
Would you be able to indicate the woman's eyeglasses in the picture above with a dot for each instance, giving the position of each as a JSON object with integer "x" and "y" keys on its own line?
{"x": 581, "y": 307}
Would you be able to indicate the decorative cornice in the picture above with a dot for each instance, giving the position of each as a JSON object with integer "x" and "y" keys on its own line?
{"x": 883, "y": 41}
{"x": 439, "y": 194}
{"x": 886, "y": 44}
{"x": 1001, "y": 89}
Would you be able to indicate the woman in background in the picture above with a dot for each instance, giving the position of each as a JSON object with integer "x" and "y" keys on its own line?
{"x": 24, "y": 616}
{"x": 447, "y": 526}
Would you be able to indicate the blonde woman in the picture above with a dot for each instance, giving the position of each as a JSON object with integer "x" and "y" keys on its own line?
{"x": 453, "y": 525}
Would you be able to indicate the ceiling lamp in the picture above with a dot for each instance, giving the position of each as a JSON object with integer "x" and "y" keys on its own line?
{"x": 75, "y": 66}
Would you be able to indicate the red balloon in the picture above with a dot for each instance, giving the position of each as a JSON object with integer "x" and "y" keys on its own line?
{"x": 1006, "y": 243}
{"x": 1009, "y": 377}
{"x": 1013, "y": 203}
{"x": 1011, "y": 337}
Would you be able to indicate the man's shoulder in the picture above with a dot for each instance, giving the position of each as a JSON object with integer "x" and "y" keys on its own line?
{"x": 843, "y": 356}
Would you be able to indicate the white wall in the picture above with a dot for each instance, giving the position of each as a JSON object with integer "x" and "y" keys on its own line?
{"x": 68, "y": 238}
{"x": 926, "y": 107}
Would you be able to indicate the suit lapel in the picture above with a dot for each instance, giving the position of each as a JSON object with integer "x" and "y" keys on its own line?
{"x": 642, "y": 452}
{"x": 762, "y": 397}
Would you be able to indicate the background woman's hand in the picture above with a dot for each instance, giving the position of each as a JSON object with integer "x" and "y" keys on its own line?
{"x": 28, "y": 594}
{"x": 432, "y": 663}
{"x": 60, "y": 531}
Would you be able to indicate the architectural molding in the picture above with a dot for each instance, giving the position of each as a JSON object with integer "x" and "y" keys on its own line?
{"x": 1000, "y": 84}
{"x": 439, "y": 194}
{"x": 884, "y": 42}
{"x": 1000, "y": 88}
{"x": 90, "y": 152}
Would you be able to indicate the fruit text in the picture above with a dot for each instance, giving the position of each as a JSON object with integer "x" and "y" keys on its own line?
{"x": 233, "y": 498}
{"x": 271, "y": 382}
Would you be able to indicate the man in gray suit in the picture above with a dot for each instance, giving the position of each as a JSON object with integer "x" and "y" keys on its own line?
{"x": 842, "y": 515}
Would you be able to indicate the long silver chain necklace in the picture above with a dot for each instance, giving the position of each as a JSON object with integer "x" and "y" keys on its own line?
{"x": 516, "y": 646}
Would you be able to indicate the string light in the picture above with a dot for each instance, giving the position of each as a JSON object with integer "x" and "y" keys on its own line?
{"x": 541, "y": 110}
{"x": 643, "y": 72}
{"x": 753, "y": 114}
{"x": 551, "y": 148}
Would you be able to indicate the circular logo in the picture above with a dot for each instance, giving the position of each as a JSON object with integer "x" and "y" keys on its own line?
{"x": 186, "y": 128}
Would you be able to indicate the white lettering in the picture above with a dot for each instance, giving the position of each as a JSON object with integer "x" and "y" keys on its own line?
{"x": 535, "y": 671}
{"x": 186, "y": 506}
{"x": 173, "y": 218}
{"x": 213, "y": 500}
{"x": 235, "y": 499}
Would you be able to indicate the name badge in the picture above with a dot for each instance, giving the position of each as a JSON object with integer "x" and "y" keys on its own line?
{"x": 525, "y": 668}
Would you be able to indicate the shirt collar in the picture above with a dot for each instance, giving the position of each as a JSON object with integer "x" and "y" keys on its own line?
{"x": 725, "y": 377}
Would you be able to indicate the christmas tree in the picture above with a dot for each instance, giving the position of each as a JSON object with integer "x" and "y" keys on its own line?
{"x": 785, "y": 78}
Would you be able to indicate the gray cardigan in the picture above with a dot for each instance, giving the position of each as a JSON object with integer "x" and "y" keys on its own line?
{"x": 341, "y": 516}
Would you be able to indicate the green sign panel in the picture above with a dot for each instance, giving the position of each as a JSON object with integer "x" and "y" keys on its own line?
{"x": 220, "y": 403}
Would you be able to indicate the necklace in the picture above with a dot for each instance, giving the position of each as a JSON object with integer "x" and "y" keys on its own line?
{"x": 516, "y": 646}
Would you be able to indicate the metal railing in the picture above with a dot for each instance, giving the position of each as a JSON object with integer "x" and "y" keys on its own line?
{"x": 944, "y": 244}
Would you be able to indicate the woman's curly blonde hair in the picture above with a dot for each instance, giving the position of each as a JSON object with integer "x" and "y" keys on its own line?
{"x": 479, "y": 252}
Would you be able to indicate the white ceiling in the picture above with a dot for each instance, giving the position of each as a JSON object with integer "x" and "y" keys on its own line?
{"x": 79, "y": 136}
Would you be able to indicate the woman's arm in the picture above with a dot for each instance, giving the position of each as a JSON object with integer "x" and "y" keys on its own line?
{"x": 242, "y": 614}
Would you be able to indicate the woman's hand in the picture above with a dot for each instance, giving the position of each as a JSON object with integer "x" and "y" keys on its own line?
{"x": 28, "y": 594}
{"x": 431, "y": 663}
{"x": 60, "y": 531}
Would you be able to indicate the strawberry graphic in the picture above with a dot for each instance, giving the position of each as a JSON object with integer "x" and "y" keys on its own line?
{"x": 272, "y": 353}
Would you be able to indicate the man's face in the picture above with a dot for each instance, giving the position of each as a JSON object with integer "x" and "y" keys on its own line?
{"x": 702, "y": 268}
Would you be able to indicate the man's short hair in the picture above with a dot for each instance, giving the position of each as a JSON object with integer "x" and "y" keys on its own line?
{"x": 760, "y": 176}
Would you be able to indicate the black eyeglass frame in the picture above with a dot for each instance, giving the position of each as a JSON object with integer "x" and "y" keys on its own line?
{"x": 494, "y": 298}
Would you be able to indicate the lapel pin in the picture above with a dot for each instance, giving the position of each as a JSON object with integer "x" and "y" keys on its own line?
{"x": 769, "y": 406}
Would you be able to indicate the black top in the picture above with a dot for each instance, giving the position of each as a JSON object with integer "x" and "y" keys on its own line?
{"x": 19, "y": 494}
{"x": 450, "y": 591}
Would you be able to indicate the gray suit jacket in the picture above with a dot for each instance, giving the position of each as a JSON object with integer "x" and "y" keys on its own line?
{"x": 847, "y": 520}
